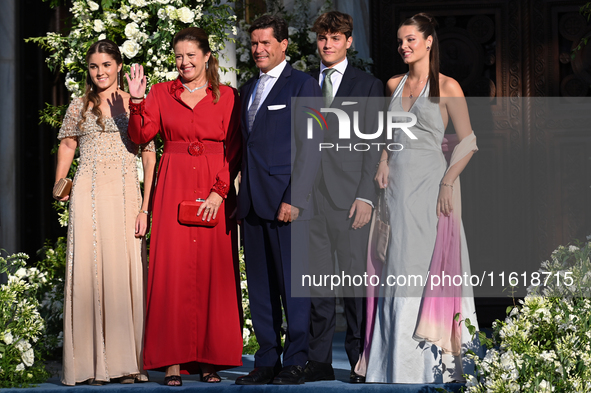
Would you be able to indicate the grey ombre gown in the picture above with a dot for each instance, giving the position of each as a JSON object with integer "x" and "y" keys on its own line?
{"x": 413, "y": 186}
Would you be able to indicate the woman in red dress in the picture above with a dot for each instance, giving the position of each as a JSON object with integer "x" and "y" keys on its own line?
{"x": 193, "y": 318}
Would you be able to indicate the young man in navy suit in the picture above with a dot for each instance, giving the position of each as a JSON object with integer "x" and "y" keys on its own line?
{"x": 279, "y": 165}
{"x": 344, "y": 195}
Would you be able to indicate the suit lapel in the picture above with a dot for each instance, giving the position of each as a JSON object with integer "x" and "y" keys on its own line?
{"x": 347, "y": 82}
{"x": 277, "y": 88}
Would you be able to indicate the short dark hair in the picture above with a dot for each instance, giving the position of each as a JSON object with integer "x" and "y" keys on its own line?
{"x": 277, "y": 23}
{"x": 334, "y": 22}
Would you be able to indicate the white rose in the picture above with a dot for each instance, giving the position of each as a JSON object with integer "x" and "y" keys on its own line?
{"x": 130, "y": 48}
{"x": 171, "y": 12}
{"x": 299, "y": 65}
{"x": 20, "y": 367}
{"x": 138, "y": 3}
{"x": 28, "y": 357}
{"x": 546, "y": 386}
{"x": 102, "y": 36}
{"x": 162, "y": 13}
{"x": 20, "y": 273}
{"x": 185, "y": 15}
{"x": 171, "y": 75}
{"x": 92, "y": 5}
{"x": 311, "y": 37}
{"x": 245, "y": 334}
{"x": 132, "y": 30}
{"x": 163, "y": 1}
{"x": 8, "y": 338}
{"x": 292, "y": 31}
{"x": 98, "y": 25}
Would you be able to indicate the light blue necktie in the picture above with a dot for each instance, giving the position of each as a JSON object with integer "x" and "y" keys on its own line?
{"x": 252, "y": 111}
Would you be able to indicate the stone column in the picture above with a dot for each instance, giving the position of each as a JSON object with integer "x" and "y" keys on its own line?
{"x": 9, "y": 227}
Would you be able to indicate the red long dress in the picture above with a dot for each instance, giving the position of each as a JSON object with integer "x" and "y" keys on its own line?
{"x": 193, "y": 284}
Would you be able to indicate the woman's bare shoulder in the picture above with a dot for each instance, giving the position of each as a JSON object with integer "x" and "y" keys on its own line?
{"x": 393, "y": 83}
{"x": 449, "y": 87}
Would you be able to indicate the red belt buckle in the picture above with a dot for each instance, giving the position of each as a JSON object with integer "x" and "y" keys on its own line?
{"x": 196, "y": 148}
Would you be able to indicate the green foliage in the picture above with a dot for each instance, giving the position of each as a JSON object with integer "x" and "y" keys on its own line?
{"x": 52, "y": 115}
{"x": 21, "y": 325}
{"x": 52, "y": 261}
{"x": 544, "y": 344}
{"x": 585, "y": 10}
{"x": 143, "y": 29}
{"x": 249, "y": 340}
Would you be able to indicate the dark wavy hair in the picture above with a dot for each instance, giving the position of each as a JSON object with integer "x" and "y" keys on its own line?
{"x": 277, "y": 23}
{"x": 334, "y": 22}
{"x": 426, "y": 25}
{"x": 90, "y": 91}
{"x": 200, "y": 37}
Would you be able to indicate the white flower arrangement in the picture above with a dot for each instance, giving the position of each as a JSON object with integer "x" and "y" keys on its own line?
{"x": 544, "y": 344}
{"x": 21, "y": 324}
{"x": 144, "y": 30}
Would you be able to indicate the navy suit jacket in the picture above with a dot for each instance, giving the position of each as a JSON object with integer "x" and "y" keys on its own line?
{"x": 279, "y": 162}
{"x": 350, "y": 174}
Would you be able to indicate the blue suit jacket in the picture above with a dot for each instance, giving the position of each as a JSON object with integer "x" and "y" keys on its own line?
{"x": 279, "y": 162}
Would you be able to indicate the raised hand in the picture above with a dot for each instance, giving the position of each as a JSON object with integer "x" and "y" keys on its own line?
{"x": 136, "y": 80}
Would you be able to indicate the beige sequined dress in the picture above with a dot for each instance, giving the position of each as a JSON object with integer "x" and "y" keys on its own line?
{"x": 106, "y": 264}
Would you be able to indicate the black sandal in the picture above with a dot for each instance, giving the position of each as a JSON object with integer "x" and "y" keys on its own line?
{"x": 212, "y": 377}
{"x": 172, "y": 379}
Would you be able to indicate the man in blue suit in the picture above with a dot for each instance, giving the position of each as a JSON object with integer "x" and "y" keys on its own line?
{"x": 343, "y": 195}
{"x": 278, "y": 169}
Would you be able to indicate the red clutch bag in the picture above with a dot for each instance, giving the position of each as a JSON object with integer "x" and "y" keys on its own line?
{"x": 188, "y": 214}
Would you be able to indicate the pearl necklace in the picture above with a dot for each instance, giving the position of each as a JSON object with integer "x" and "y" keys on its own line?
{"x": 420, "y": 83}
{"x": 195, "y": 89}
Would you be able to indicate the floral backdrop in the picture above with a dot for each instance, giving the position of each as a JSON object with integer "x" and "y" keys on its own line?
{"x": 31, "y": 313}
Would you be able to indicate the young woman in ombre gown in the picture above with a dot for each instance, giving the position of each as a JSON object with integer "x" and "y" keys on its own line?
{"x": 412, "y": 336}
{"x": 106, "y": 264}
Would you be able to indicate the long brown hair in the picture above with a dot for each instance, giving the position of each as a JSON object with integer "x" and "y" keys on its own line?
{"x": 90, "y": 92}
{"x": 200, "y": 37}
{"x": 426, "y": 25}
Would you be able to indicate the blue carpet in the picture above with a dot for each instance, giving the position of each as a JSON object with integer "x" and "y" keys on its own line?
{"x": 192, "y": 383}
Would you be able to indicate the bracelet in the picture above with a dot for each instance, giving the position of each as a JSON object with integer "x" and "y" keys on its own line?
{"x": 136, "y": 98}
{"x": 380, "y": 161}
{"x": 144, "y": 211}
{"x": 445, "y": 184}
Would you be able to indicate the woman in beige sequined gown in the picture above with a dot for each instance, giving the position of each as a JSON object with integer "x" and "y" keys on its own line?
{"x": 106, "y": 257}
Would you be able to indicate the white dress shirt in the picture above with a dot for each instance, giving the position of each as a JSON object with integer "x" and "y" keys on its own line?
{"x": 274, "y": 74}
{"x": 336, "y": 77}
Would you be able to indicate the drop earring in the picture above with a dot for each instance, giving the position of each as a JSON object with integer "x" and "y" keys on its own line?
{"x": 207, "y": 65}
{"x": 428, "y": 48}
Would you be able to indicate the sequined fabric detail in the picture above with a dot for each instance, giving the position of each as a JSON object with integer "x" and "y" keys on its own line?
{"x": 137, "y": 109}
{"x": 70, "y": 123}
{"x": 221, "y": 188}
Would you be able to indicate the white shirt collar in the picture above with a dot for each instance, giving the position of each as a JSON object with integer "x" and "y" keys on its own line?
{"x": 340, "y": 67}
{"x": 276, "y": 71}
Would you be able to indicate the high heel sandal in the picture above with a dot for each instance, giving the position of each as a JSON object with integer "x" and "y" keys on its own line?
{"x": 172, "y": 379}
{"x": 212, "y": 377}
